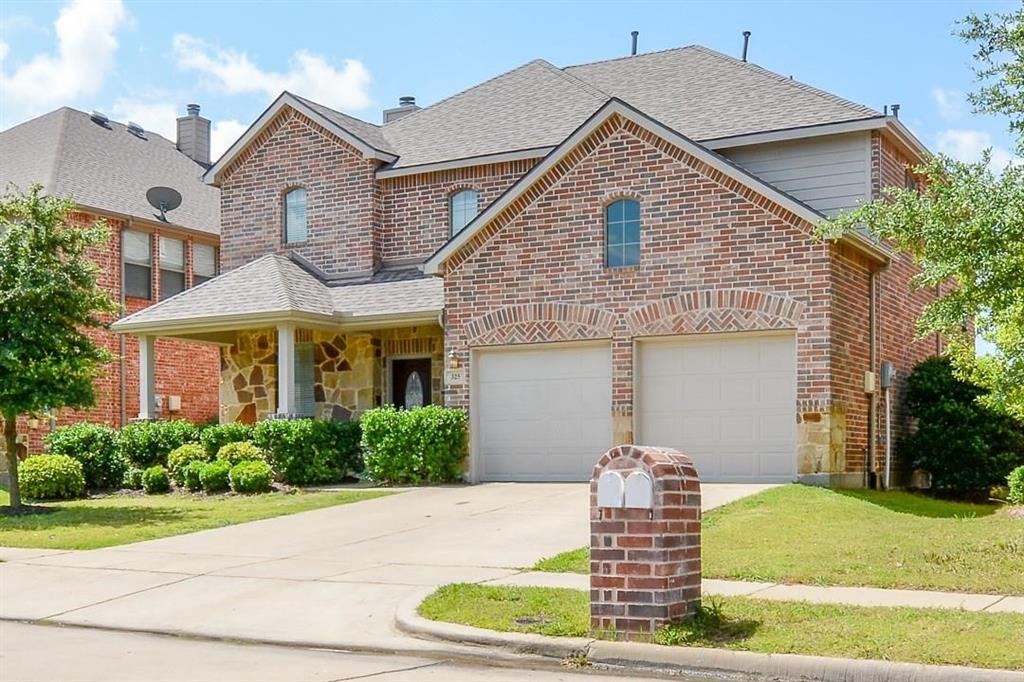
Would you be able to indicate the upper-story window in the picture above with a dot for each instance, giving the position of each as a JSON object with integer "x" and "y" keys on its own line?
{"x": 295, "y": 215}
{"x": 138, "y": 264}
{"x": 172, "y": 267}
{"x": 204, "y": 263}
{"x": 622, "y": 233}
{"x": 462, "y": 208}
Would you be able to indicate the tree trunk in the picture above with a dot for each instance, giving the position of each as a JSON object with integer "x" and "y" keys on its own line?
{"x": 11, "y": 440}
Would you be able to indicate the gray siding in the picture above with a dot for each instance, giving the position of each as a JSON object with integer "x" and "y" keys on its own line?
{"x": 828, "y": 173}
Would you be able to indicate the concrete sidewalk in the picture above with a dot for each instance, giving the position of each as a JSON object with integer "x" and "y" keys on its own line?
{"x": 855, "y": 596}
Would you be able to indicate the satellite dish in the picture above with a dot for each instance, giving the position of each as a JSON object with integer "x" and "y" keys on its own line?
{"x": 163, "y": 199}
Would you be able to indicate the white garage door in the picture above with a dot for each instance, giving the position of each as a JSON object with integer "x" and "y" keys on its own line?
{"x": 543, "y": 413}
{"x": 728, "y": 402}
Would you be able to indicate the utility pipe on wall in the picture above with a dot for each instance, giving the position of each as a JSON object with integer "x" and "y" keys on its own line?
{"x": 888, "y": 439}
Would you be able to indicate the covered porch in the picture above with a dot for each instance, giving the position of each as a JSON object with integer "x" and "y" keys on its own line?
{"x": 293, "y": 345}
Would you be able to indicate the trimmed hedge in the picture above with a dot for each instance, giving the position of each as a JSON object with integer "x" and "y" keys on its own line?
{"x": 217, "y": 436}
{"x": 253, "y": 476}
{"x": 181, "y": 457}
{"x": 148, "y": 443}
{"x": 155, "y": 480}
{"x": 51, "y": 477}
{"x": 965, "y": 445}
{"x": 310, "y": 451}
{"x": 1016, "y": 482}
{"x": 215, "y": 476}
{"x": 233, "y": 453}
{"x": 190, "y": 475}
{"x": 95, "y": 446}
{"x": 421, "y": 445}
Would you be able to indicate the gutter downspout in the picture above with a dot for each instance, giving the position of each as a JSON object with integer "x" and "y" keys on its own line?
{"x": 869, "y": 470}
{"x": 123, "y": 383}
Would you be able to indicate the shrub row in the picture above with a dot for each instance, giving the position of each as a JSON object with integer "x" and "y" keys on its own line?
{"x": 424, "y": 445}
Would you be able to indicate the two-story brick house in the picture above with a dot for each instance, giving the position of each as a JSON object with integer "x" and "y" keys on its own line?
{"x": 615, "y": 252}
{"x": 107, "y": 168}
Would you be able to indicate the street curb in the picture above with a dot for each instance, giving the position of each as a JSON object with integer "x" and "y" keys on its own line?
{"x": 741, "y": 665}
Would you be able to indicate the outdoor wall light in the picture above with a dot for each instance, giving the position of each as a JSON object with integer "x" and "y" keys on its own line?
{"x": 453, "y": 360}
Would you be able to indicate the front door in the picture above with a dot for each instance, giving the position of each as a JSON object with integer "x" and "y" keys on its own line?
{"x": 410, "y": 382}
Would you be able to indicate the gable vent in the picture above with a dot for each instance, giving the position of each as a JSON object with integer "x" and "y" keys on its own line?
{"x": 136, "y": 130}
{"x": 100, "y": 118}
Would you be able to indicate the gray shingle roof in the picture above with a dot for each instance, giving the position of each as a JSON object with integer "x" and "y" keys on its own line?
{"x": 698, "y": 92}
{"x": 275, "y": 284}
{"x": 106, "y": 168}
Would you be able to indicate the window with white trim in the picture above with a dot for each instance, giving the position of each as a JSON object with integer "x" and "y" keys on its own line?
{"x": 462, "y": 208}
{"x": 622, "y": 233}
{"x": 172, "y": 266}
{"x": 295, "y": 216}
{"x": 138, "y": 264}
{"x": 204, "y": 263}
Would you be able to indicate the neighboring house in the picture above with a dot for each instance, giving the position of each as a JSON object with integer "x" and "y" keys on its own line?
{"x": 613, "y": 252}
{"x": 107, "y": 168}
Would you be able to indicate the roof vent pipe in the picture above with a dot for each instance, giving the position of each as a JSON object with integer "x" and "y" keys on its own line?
{"x": 635, "y": 34}
{"x": 895, "y": 110}
{"x": 406, "y": 101}
{"x": 746, "y": 44}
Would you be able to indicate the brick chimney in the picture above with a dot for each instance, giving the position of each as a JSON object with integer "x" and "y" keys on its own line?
{"x": 194, "y": 135}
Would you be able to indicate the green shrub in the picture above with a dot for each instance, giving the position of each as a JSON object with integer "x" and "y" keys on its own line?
{"x": 309, "y": 451}
{"x": 149, "y": 443}
{"x": 217, "y": 436}
{"x": 132, "y": 478}
{"x": 233, "y": 453}
{"x": 422, "y": 445}
{"x": 95, "y": 447}
{"x": 155, "y": 480}
{"x": 191, "y": 475}
{"x": 965, "y": 445}
{"x": 215, "y": 476}
{"x": 180, "y": 457}
{"x": 51, "y": 477}
{"x": 1016, "y": 482}
{"x": 251, "y": 477}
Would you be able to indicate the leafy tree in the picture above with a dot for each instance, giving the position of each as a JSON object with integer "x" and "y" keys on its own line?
{"x": 965, "y": 226}
{"x": 49, "y": 299}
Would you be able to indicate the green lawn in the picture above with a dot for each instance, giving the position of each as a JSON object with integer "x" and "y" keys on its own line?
{"x": 800, "y": 534}
{"x": 937, "y": 636}
{"x": 116, "y": 520}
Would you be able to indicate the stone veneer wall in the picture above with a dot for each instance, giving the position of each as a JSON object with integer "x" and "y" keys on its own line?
{"x": 350, "y": 370}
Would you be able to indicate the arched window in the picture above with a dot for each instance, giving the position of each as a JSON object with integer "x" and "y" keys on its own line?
{"x": 622, "y": 233}
{"x": 462, "y": 208}
{"x": 295, "y": 215}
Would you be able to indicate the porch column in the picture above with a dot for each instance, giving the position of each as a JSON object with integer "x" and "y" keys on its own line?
{"x": 147, "y": 383}
{"x": 286, "y": 369}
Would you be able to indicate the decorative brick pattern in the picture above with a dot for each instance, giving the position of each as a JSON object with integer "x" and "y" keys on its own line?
{"x": 645, "y": 563}
{"x": 534, "y": 322}
{"x": 716, "y": 310}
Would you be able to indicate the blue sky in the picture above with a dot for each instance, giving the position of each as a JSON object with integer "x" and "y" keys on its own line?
{"x": 144, "y": 61}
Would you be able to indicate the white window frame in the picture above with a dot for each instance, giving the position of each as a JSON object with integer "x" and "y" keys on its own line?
{"x": 286, "y": 232}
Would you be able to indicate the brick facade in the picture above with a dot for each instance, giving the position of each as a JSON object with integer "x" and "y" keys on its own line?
{"x": 188, "y": 370}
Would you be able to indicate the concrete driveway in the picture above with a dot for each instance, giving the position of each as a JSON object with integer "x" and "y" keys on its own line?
{"x": 331, "y": 577}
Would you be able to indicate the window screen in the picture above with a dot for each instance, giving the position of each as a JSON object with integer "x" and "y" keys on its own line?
{"x": 304, "y": 401}
{"x": 138, "y": 273}
{"x": 295, "y": 215}
{"x": 204, "y": 263}
{"x": 172, "y": 267}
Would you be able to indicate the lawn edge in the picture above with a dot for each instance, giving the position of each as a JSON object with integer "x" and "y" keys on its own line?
{"x": 695, "y": 660}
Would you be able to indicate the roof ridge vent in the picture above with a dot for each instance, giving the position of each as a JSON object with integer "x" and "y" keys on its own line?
{"x": 136, "y": 130}
{"x": 100, "y": 118}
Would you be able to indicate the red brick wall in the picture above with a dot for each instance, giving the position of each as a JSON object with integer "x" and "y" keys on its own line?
{"x": 415, "y": 207}
{"x": 342, "y": 206}
{"x": 189, "y": 370}
{"x": 702, "y": 232}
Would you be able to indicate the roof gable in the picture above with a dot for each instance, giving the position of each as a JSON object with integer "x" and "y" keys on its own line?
{"x": 721, "y": 169}
{"x": 358, "y": 134}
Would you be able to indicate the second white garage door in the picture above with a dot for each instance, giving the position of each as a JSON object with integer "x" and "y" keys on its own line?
{"x": 543, "y": 413}
{"x": 729, "y": 402}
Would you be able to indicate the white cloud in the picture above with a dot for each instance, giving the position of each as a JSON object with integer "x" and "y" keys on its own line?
{"x": 86, "y": 33}
{"x": 223, "y": 135}
{"x": 949, "y": 102}
{"x": 968, "y": 145}
{"x": 310, "y": 75}
{"x": 158, "y": 117}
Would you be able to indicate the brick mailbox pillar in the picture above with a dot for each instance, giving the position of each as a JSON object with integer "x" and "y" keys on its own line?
{"x": 644, "y": 541}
